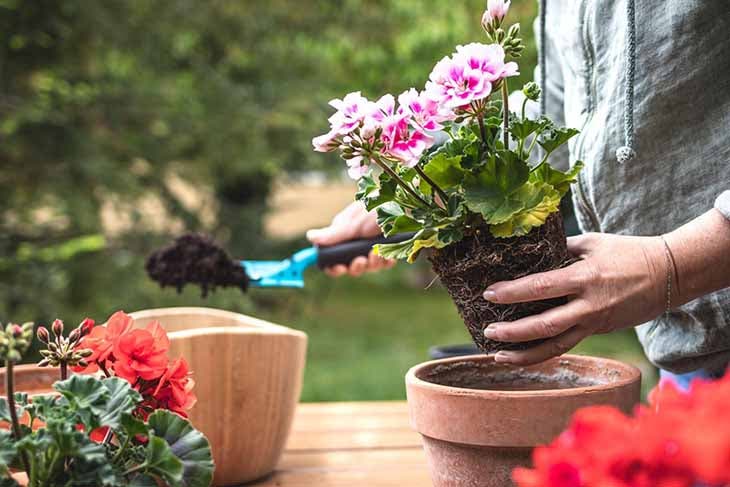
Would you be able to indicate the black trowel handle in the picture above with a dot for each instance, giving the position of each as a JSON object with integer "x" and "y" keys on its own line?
{"x": 345, "y": 252}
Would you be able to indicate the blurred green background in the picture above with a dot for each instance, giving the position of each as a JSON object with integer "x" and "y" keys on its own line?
{"x": 125, "y": 123}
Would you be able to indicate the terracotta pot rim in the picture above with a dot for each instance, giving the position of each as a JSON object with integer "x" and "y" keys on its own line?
{"x": 631, "y": 375}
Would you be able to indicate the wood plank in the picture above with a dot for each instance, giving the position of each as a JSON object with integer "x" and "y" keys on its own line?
{"x": 344, "y": 422}
{"x": 395, "y": 476}
{"x": 369, "y": 408}
{"x": 347, "y": 459}
{"x": 355, "y": 439}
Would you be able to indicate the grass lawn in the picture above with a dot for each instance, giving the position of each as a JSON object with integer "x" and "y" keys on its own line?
{"x": 365, "y": 333}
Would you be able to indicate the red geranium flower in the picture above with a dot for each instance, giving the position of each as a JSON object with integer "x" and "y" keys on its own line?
{"x": 680, "y": 440}
{"x": 141, "y": 353}
{"x": 175, "y": 389}
{"x": 101, "y": 339}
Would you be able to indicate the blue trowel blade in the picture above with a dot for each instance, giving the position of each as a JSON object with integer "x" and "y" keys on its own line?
{"x": 280, "y": 273}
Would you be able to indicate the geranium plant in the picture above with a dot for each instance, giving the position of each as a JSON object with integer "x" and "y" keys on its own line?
{"x": 123, "y": 425}
{"x": 478, "y": 180}
{"x": 681, "y": 439}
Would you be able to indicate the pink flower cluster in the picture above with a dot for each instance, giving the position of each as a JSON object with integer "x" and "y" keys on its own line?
{"x": 385, "y": 131}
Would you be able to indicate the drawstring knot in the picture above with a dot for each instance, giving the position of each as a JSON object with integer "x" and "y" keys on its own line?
{"x": 627, "y": 152}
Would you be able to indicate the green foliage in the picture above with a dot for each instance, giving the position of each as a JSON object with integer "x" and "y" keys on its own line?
{"x": 481, "y": 184}
{"x": 186, "y": 444}
{"x": 165, "y": 448}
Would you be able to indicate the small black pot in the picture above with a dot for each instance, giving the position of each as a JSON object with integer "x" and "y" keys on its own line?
{"x": 448, "y": 351}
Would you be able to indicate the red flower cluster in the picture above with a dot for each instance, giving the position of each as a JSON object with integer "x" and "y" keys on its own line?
{"x": 682, "y": 439}
{"x": 140, "y": 356}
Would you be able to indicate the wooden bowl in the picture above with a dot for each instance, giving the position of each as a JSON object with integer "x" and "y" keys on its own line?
{"x": 248, "y": 378}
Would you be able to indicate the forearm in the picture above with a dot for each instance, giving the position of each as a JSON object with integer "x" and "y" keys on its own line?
{"x": 701, "y": 251}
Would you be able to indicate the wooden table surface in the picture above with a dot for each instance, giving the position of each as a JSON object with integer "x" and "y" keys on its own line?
{"x": 351, "y": 445}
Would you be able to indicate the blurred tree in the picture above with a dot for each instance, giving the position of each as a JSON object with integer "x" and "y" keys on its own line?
{"x": 102, "y": 103}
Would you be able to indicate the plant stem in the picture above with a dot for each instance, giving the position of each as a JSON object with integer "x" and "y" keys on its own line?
{"x": 505, "y": 115}
{"x": 521, "y": 143}
{"x": 119, "y": 452}
{"x": 482, "y": 130}
{"x": 432, "y": 183}
{"x": 400, "y": 181}
{"x": 64, "y": 371}
{"x": 10, "y": 393}
{"x": 132, "y": 470}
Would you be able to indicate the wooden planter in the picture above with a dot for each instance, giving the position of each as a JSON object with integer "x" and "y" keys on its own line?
{"x": 248, "y": 378}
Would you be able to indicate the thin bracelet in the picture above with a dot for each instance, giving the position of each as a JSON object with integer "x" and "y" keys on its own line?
{"x": 671, "y": 269}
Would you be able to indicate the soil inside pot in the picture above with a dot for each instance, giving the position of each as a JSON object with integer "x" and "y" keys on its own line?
{"x": 467, "y": 268}
{"x": 195, "y": 258}
{"x": 497, "y": 377}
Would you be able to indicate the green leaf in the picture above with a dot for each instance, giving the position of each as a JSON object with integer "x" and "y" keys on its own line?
{"x": 540, "y": 201}
{"x": 7, "y": 450}
{"x": 523, "y": 128}
{"x": 122, "y": 400}
{"x": 445, "y": 171}
{"x": 4, "y": 410}
{"x": 187, "y": 444}
{"x": 392, "y": 219}
{"x": 556, "y": 137}
{"x": 132, "y": 426}
{"x": 398, "y": 251}
{"x": 373, "y": 194}
{"x": 83, "y": 391}
{"x": 490, "y": 191}
{"x": 8, "y": 482}
{"x": 559, "y": 180}
{"x": 141, "y": 480}
{"x": 162, "y": 462}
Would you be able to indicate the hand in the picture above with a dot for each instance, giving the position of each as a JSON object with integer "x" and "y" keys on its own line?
{"x": 620, "y": 282}
{"x": 351, "y": 223}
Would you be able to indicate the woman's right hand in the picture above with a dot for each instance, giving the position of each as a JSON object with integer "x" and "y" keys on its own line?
{"x": 351, "y": 223}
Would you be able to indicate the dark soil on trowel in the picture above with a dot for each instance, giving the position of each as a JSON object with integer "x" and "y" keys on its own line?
{"x": 195, "y": 258}
{"x": 468, "y": 267}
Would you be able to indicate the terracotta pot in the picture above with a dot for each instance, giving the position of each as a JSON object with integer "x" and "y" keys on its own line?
{"x": 248, "y": 378}
{"x": 479, "y": 419}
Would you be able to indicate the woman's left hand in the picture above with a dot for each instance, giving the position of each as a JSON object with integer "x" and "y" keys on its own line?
{"x": 620, "y": 282}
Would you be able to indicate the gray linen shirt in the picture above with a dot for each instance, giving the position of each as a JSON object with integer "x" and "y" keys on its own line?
{"x": 681, "y": 114}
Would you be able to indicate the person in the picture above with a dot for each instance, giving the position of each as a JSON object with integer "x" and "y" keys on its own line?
{"x": 654, "y": 82}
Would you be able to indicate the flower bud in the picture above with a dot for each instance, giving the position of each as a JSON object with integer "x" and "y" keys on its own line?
{"x": 495, "y": 13}
{"x": 531, "y": 91}
{"x": 57, "y": 327}
{"x": 499, "y": 35}
{"x": 74, "y": 336}
{"x": 15, "y": 330}
{"x": 513, "y": 31}
{"x": 85, "y": 352}
{"x": 86, "y": 326}
{"x": 44, "y": 363}
{"x": 83, "y": 363}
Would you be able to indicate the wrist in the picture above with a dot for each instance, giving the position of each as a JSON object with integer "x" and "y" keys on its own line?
{"x": 662, "y": 275}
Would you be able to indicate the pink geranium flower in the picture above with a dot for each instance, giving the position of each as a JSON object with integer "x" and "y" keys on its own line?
{"x": 357, "y": 167}
{"x": 469, "y": 75}
{"x": 351, "y": 110}
{"x": 403, "y": 144}
{"x": 425, "y": 113}
{"x": 496, "y": 10}
{"x": 487, "y": 58}
{"x": 453, "y": 84}
{"x": 327, "y": 142}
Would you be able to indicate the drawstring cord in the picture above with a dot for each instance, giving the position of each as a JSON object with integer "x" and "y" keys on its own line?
{"x": 627, "y": 152}
{"x": 541, "y": 57}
